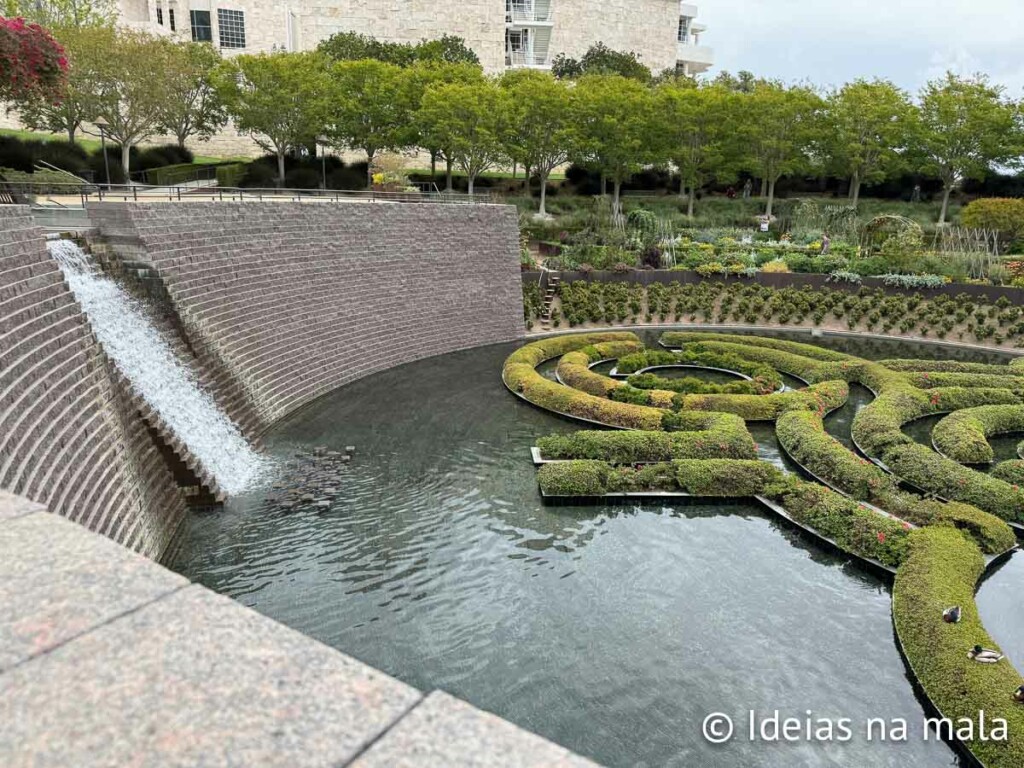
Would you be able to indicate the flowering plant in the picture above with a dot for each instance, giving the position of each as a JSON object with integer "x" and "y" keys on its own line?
{"x": 31, "y": 61}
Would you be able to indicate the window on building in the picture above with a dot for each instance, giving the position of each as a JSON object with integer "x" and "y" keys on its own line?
{"x": 684, "y": 29}
{"x": 159, "y": 15}
{"x": 231, "y": 25}
{"x": 170, "y": 18}
{"x": 202, "y": 29}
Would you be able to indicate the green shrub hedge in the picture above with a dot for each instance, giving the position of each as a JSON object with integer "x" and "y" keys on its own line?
{"x": 852, "y": 526}
{"x": 963, "y": 436}
{"x": 931, "y": 380}
{"x": 722, "y": 436}
{"x": 1011, "y": 472}
{"x": 727, "y": 478}
{"x": 682, "y": 338}
{"x": 231, "y": 174}
{"x": 941, "y": 569}
{"x": 820, "y": 398}
{"x": 931, "y": 472}
{"x": 520, "y": 375}
{"x": 949, "y": 366}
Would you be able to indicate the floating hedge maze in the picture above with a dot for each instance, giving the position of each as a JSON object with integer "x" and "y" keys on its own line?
{"x": 935, "y": 514}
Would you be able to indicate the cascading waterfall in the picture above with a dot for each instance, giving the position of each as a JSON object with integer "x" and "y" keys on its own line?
{"x": 141, "y": 353}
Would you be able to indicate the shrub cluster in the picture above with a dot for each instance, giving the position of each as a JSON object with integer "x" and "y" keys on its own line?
{"x": 1011, "y": 472}
{"x": 819, "y": 398}
{"x": 764, "y": 379}
{"x": 718, "y": 435}
{"x": 727, "y": 478}
{"x": 941, "y": 569}
{"x": 852, "y": 526}
{"x": 963, "y": 435}
{"x": 520, "y": 375}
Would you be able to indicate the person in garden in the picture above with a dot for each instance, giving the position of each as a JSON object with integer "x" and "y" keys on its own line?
{"x": 952, "y": 615}
{"x": 748, "y": 188}
{"x": 1018, "y": 695}
{"x": 826, "y": 243}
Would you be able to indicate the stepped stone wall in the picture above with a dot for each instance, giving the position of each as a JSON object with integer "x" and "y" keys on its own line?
{"x": 69, "y": 436}
{"x": 283, "y": 302}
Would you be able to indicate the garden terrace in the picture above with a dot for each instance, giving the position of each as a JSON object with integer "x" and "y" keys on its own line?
{"x": 938, "y": 546}
{"x": 958, "y": 314}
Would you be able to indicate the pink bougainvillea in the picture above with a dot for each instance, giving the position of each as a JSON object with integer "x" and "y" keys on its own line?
{"x": 31, "y": 61}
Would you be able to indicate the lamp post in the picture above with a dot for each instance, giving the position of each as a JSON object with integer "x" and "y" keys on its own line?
{"x": 103, "y": 125}
{"x": 322, "y": 143}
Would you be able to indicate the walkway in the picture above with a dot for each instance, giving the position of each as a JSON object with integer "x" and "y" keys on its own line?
{"x": 109, "y": 659}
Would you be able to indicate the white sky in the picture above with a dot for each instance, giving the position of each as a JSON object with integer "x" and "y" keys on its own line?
{"x": 832, "y": 41}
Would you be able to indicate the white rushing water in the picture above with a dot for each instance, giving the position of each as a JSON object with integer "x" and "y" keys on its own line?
{"x": 142, "y": 354}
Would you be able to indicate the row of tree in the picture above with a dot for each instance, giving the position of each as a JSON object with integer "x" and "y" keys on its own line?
{"x": 957, "y": 128}
{"x": 359, "y": 94}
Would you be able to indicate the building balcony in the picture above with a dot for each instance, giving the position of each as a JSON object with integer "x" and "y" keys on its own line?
{"x": 695, "y": 58}
{"x": 526, "y": 17}
{"x": 523, "y": 60}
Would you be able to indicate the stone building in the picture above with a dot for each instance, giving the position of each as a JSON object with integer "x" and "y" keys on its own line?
{"x": 523, "y": 33}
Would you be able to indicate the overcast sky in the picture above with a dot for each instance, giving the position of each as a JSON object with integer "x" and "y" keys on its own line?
{"x": 833, "y": 41}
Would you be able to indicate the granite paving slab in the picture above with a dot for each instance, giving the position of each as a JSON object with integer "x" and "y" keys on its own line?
{"x": 58, "y": 580}
{"x": 445, "y": 732}
{"x": 12, "y": 506}
{"x": 194, "y": 679}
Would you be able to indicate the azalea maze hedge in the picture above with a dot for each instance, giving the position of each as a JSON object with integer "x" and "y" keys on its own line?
{"x": 931, "y": 512}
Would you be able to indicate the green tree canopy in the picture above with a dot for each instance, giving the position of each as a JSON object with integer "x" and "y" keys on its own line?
{"x": 193, "y": 106}
{"x": 617, "y": 134}
{"x": 542, "y": 128}
{"x": 353, "y": 46}
{"x": 279, "y": 99}
{"x": 601, "y": 60}
{"x": 127, "y": 95}
{"x": 470, "y": 121}
{"x": 967, "y": 127}
{"x": 780, "y": 128}
{"x": 871, "y": 125}
{"x": 697, "y": 127}
{"x": 64, "y": 13}
{"x": 370, "y": 107}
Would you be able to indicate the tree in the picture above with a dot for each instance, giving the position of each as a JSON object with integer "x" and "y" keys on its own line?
{"x": 967, "y": 126}
{"x": 469, "y": 121}
{"x": 601, "y": 60}
{"x": 780, "y": 127}
{"x": 64, "y": 13}
{"x": 353, "y": 46}
{"x": 871, "y": 126}
{"x": 278, "y": 99}
{"x": 424, "y": 76}
{"x": 542, "y": 123}
{"x": 32, "y": 63}
{"x": 698, "y": 129}
{"x": 615, "y": 123}
{"x": 86, "y": 49}
{"x": 370, "y": 107}
{"x": 193, "y": 106}
{"x": 127, "y": 94}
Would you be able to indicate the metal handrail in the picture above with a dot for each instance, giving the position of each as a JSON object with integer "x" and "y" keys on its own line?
{"x": 138, "y": 192}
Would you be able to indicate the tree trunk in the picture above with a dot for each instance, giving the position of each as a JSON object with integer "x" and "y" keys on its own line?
{"x": 433, "y": 165}
{"x": 447, "y": 174}
{"x": 771, "y": 198}
{"x": 689, "y": 202}
{"x": 947, "y": 191}
{"x": 764, "y": 187}
{"x": 514, "y": 169}
{"x": 182, "y": 138}
{"x": 472, "y": 178}
{"x": 280, "y": 167}
{"x": 543, "y": 194}
{"x": 369, "y": 169}
{"x": 855, "y": 190}
{"x": 682, "y": 187}
{"x": 604, "y": 185}
{"x": 126, "y": 151}
{"x": 71, "y": 133}
{"x": 617, "y": 198}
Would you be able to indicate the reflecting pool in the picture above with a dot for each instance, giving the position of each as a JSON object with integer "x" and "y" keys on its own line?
{"x": 613, "y": 630}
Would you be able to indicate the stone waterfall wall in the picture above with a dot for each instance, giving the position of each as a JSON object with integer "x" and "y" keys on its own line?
{"x": 69, "y": 437}
{"x": 283, "y": 301}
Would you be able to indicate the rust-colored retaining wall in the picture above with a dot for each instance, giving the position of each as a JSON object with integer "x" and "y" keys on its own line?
{"x": 68, "y": 436}
{"x": 285, "y": 301}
